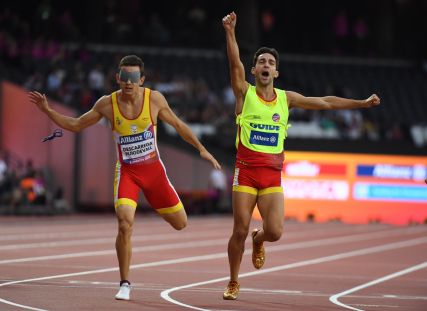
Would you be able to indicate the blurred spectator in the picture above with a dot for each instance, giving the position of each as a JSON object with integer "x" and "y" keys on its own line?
{"x": 14, "y": 193}
{"x": 39, "y": 189}
{"x": 38, "y": 50}
{"x": 228, "y": 94}
{"x": 54, "y": 79}
{"x": 51, "y": 49}
{"x": 3, "y": 171}
{"x": 395, "y": 133}
{"x": 67, "y": 27}
{"x": 360, "y": 31}
{"x": 340, "y": 32}
{"x": 29, "y": 169}
{"x": 218, "y": 187}
{"x": 34, "y": 82}
{"x": 86, "y": 99}
{"x": 197, "y": 15}
{"x": 267, "y": 19}
{"x": 84, "y": 55}
{"x": 158, "y": 32}
{"x": 96, "y": 80}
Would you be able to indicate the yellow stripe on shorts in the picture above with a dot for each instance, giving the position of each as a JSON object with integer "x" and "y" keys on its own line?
{"x": 125, "y": 201}
{"x": 245, "y": 189}
{"x": 270, "y": 190}
{"x": 168, "y": 210}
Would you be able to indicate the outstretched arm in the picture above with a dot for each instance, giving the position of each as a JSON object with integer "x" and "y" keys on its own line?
{"x": 237, "y": 71}
{"x": 329, "y": 102}
{"x": 167, "y": 115}
{"x": 68, "y": 123}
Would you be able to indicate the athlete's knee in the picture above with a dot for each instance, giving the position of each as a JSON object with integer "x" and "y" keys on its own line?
{"x": 179, "y": 225}
{"x": 125, "y": 228}
{"x": 273, "y": 235}
{"x": 240, "y": 234}
{"x": 177, "y": 220}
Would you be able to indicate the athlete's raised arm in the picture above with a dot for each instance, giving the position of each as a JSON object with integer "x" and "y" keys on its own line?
{"x": 167, "y": 115}
{"x": 329, "y": 102}
{"x": 69, "y": 123}
{"x": 237, "y": 70}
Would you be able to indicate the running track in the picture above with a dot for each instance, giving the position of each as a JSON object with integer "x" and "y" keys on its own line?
{"x": 69, "y": 263}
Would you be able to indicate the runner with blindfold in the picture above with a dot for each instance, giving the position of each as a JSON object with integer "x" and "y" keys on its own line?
{"x": 133, "y": 112}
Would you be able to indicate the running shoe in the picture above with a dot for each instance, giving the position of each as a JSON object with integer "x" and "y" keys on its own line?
{"x": 258, "y": 252}
{"x": 124, "y": 291}
{"x": 231, "y": 291}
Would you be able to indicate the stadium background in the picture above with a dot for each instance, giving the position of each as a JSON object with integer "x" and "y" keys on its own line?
{"x": 349, "y": 49}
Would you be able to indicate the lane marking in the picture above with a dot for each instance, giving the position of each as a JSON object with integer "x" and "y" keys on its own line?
{"x": 334, "y": 298}
{"x": 152, "y": 237}
{"x": 112, "y": 240}
{"x": 222, "y": 255}
{"x": 375, "y": 306}
{"x": 376, "y": 249}
{"x": 138, "y": 226}
{"x": 113, "y": 252}
{"x": 328, "y": 241}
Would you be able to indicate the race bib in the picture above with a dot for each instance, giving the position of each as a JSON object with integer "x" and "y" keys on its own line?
{"x": 137, "y": 148}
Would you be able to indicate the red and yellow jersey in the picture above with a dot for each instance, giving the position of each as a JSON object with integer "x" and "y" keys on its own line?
{"x": 136, "y": 140}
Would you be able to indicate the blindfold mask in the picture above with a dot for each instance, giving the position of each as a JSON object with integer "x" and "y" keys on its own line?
{"x": 126, "y": 76}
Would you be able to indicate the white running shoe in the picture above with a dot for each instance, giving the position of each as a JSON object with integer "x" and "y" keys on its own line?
{"x": 123, "y": 293}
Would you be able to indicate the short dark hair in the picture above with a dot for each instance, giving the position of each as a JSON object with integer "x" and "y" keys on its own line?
{"x": 132, "y": 60}
{"x": 264, "y": 50}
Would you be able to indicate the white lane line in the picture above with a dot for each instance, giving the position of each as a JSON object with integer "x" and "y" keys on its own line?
{"x": 113, "y": 252}
{"x": 112, "y": 240}
{"x": 376, "y": 249}
{"x": 35, "y": 236}
{"x": 328, "y": 241}
{"x": 84, "y": 233}
{"x": 150, "y": 236}
{"x": 334, "y": 298}
{"x": 139, "y": 227}
{"x": 188, "y": 259}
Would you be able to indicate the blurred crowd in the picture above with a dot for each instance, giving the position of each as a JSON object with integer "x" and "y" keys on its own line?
{"x": 76, "y": 79}
{"x": 21, "y": 186}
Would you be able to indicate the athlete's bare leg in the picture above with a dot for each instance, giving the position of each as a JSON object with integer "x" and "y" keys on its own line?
{"x": 178, "y": 219}
{"x": 272, "y": 209}
{"x": 243, "y": 206}
{"x": 125, "y": 215}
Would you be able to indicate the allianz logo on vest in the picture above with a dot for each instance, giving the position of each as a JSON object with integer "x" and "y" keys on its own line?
{"x": 263, "y": 138}
{"x": 131, "y": 139}
{"x": 265, "y": 127}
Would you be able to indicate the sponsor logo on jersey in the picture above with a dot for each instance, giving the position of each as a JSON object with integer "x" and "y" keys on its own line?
{"x": 418, "y": 172}
{"x": 257, "y": 117}
{"x": 131, "y": 139}
{"x": 264, "y": 138}
{"x": 276, "y": 117}
{"x": 134, "y": 128}
{"x": 119, "y": 122}
{"x": 265, "y": 127}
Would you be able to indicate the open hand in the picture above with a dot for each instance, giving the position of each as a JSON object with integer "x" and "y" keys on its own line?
{"x": 207, "y": 156}
{"x": 229, "y": 21}
{"x": 374, "y": 100}
{"x": 40, "y": 100}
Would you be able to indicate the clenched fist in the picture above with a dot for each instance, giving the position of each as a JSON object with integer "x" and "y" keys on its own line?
{"x": 374, "y": 100}
{"x": 229, "y": 21}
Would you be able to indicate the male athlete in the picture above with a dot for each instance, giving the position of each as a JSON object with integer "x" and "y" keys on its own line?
{"x": 133, "y": 112}
{"x": 262, "y": 114}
